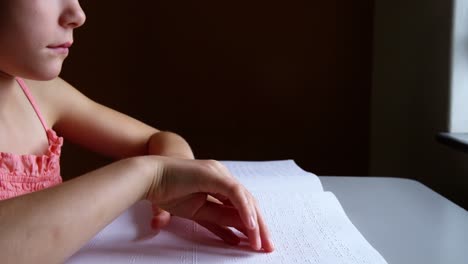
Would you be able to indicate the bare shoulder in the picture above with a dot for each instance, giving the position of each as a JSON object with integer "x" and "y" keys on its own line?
{"x": 53, "y": 97}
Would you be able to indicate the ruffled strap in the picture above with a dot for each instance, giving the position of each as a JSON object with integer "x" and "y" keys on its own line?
{"x": 21, "y": 174}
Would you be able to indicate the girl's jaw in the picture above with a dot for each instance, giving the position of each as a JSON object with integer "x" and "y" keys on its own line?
{"x": 35, "y": 36}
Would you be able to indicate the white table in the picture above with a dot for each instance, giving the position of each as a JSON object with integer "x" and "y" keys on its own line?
{"x": 403, "y": 219}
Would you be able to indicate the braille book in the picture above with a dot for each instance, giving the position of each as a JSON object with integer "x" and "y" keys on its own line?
{"x": 307, "y": 224}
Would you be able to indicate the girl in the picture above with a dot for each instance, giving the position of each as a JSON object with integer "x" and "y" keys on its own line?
{"x": 45, "y": 221}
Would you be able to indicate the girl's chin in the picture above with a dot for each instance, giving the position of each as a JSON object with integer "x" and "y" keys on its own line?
{"x": 46, "y": 73}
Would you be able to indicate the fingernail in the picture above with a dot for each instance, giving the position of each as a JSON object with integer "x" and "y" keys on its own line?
{"x": 257, "y": 245}
{"x": 272, "y": 246}
{"x": 252, "y": 224}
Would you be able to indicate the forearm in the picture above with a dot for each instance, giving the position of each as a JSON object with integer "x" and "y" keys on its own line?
{"x": 169, "y": 144}
{"x": 49, "y": 225}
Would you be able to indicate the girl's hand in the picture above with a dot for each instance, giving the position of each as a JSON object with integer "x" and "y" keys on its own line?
{"x": 164, "y": 143}
{"x": 182, "y": 187}
{"x": 162, "y": 218}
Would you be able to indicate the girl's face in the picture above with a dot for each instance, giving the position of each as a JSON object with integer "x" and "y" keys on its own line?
{"x": 35, "y": 35}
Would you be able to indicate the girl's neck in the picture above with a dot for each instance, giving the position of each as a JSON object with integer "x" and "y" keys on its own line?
{"x": 7, "y": 86}
{"x": 6, "y": 79}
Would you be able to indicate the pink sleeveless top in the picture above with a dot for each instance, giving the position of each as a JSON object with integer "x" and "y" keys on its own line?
{"x": 21, "y": 174}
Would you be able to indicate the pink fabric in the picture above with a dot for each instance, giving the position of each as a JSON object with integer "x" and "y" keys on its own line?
{"x": 21, "y": 174}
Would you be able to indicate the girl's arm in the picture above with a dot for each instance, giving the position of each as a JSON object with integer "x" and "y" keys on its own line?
{"x": 48, "y": 226}
{"x": 99, "y": 128}
{"x": 169, "y": 144}
{"x": 103, "y": 130}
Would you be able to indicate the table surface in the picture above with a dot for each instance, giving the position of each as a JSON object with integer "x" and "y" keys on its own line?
{"x": 403, "y": 219}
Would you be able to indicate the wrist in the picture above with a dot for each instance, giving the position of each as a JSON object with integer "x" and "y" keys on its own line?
{"x": 150, "y": 170}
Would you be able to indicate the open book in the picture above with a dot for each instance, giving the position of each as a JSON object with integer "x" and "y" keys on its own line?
{"x": 307, "y": 225}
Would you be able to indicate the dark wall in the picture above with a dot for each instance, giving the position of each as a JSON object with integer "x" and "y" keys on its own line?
{"x": 240, "y": 80}
{"x": 414, "y": 74}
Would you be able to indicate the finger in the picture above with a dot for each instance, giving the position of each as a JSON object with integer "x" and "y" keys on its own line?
{"x": 160, "y": 219}
{"x": 219, "y": 214}
{"x": 223, "y": 199}
{"x": 215, "y": 181}
{"x": 267, "y": 243}
{"x": 243, "y": 231}
{"x": 226, "y": 234}
{"x": 156, "y": 209}
{"x": 211, "y": 198}
{"x": 230, "y": 188}
{"x": 187, "y": 206}
{"x": 254, "y": 233}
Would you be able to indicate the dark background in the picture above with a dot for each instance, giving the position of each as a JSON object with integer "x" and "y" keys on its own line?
{"x": 240, "y": 80}
{"x": 342, "y": 87}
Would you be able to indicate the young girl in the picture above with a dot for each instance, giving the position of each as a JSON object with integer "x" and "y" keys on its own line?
{"x": 45, "y": 221}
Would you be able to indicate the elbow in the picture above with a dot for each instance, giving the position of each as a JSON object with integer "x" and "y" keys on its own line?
{"x": 170, "y": 144}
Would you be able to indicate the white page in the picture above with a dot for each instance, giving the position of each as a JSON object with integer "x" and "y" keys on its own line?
{"x": 306, "y": 228}
{"x": 270, "y": 175}
{"x": 314, "y": 231}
